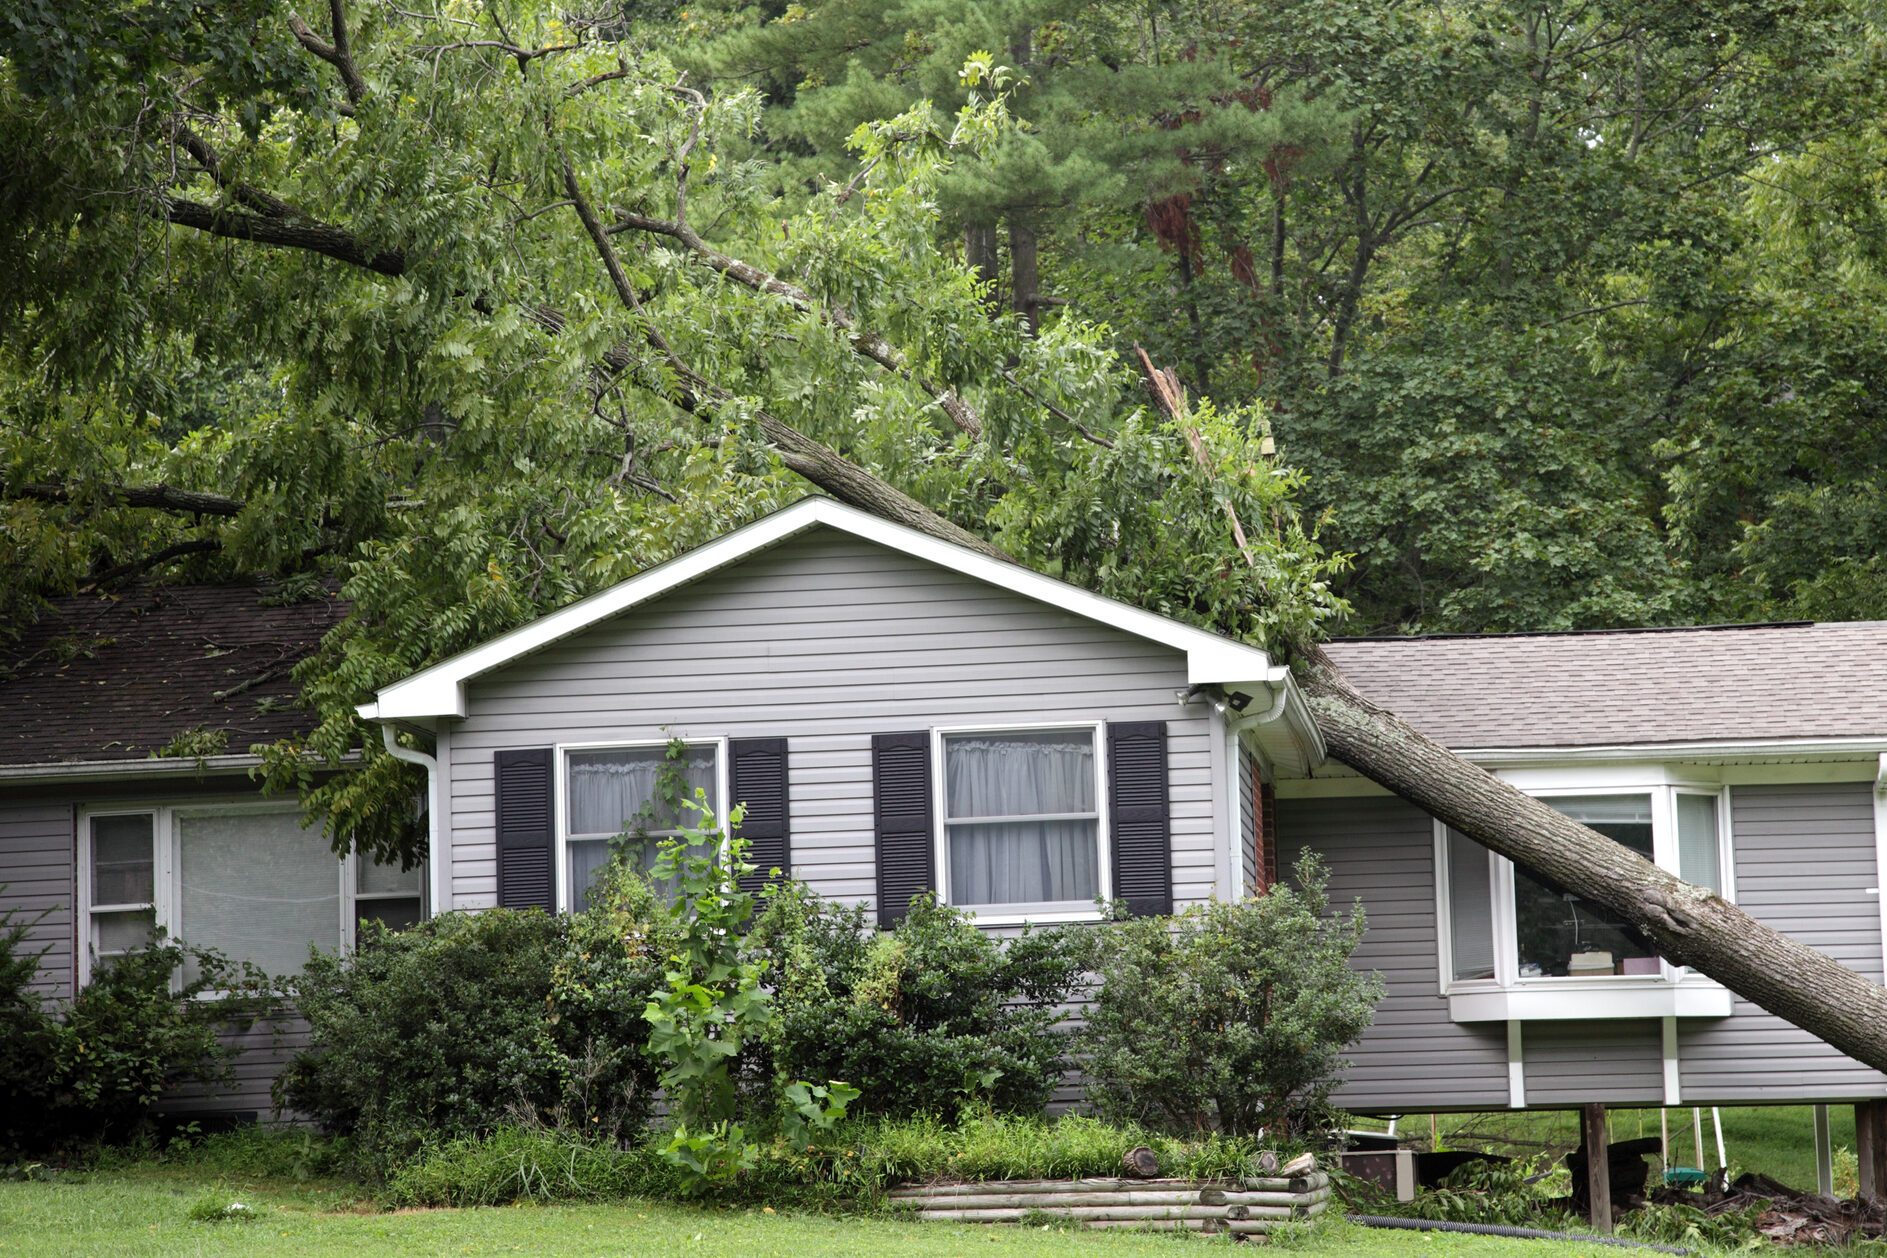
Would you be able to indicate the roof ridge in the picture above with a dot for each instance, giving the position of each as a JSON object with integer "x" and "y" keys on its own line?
{"x": 1591, "y": 633}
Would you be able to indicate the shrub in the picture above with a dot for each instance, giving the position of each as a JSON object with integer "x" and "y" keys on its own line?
{"x": 919, "y": 1019}
{"x": 91, "y": 1069}
{"x": 1227, "y": 1016}
{"x": 998, "y": 1146}
{"x": 443, "y": 1030}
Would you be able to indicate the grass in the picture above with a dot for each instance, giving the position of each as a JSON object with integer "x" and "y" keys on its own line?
{"x": 1777, "y": 1140}
{"x": 162, "y": 1209}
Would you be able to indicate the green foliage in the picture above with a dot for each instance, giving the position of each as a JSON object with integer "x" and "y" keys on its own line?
{"x": 920, "y": 1019}
{"x": 984, "y": 1145}
{"x": 443, "y": 1030}
{"x": 87, "y": 1071}
{"x": 1680, "y": 1223}
{"x": 712, "y": 1006}
{"x": 1230, "y": 1015}
{"x": 533, "y": 1164}
{"x": 1503, "y": 1192}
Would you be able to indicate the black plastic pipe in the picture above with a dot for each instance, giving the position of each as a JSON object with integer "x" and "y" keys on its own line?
{"x": 1493, "y": 1229}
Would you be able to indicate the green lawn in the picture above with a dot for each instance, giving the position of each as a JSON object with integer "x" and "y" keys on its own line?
{"x": 1777, "y": 1140}
{"x": 146, "y": 1212}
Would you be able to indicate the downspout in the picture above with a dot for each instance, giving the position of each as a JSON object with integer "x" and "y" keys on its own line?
{"x": 435, "y": 868}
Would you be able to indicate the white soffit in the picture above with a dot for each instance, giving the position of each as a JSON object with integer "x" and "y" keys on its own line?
{"x": 439, "y": 691}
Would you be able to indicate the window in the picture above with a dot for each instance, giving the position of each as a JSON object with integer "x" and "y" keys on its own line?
{"x": 250, "y": 882}
{"x": 1506, "y": 927}
{"x": 611, "y": 798}
{"x": 1021, "y": 820}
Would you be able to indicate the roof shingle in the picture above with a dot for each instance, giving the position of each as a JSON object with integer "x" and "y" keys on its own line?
{"x": 98, "y": 678}
{"x": 1753, "y": 683}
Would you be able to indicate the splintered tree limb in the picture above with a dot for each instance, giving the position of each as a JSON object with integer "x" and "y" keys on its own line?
{"x": 1166, "y": 391}
{"x": 158, "y": 497}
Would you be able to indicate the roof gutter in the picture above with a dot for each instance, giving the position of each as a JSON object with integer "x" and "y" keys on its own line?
{"x": 150, "y": 767}
{"x": 435, "y": 868}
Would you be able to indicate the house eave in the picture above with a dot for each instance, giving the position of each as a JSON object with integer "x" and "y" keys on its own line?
{"x": 148, "y": 769}
{"x": 439, "y": 690}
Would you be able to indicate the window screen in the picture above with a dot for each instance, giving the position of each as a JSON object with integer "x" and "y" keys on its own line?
{"x": 1698, "y": 856}
{"x": 1022, "y": 817}
{"x": 1561, "y": 934}
{"x": 124, "y": 883}
{"x": 1471, "y": 904}
{"x": 257, "y": 887}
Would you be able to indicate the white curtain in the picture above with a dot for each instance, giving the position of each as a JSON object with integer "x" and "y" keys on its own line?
{"x": 1470, "y": 904}
{"x": 1697, "y": 851}
{"x": 610, "y": 789}
{"x": 257, "y": 887}
{"x": 1035, "y": 837}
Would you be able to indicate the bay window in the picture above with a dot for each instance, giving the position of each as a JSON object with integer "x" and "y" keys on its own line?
{"x": 614, "y": 799}
{"x": 1021, "y": 822}
{"x": 1506, "y": 931}
{"x": 249, "y": 881}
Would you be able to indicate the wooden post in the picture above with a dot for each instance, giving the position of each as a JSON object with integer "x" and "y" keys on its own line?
{"x": 1598, "y": 1167}
{"x": 1869, "y": 1151}
{"x": 1824, "y": 1154}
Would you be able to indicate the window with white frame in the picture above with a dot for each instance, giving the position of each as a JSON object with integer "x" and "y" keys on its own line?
{"x": 1021, "y": 819}
{"x": 614, "y": 800}
{"x": 250, "y": 882}
{"x": 1506, "y": 926}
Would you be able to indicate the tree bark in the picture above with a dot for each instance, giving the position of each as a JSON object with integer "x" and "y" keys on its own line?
{"x": 979, "y": 252}
{"x": 1024, "y": 271}
{"x": 1689, "y": 925}
{"x": 159, "y": 497}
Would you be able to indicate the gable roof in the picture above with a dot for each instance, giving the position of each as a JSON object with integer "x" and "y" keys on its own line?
{"x": 1730, "y": 684}
{"x": 439, "y": 691}
{"x": 114, "y": 679}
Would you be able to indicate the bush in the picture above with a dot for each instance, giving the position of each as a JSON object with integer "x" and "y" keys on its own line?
{"x": 996, "y": 1146}
{"x": 920, "y": 1019}
{"x": 92, "y": 1069}
{"x": 1228, "y": 1016}
{"x": 444, "y": 1030}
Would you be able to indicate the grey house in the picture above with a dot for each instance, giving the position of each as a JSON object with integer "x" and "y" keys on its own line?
{"x": 126, "y": 802}
{"x": 900, "y": 714}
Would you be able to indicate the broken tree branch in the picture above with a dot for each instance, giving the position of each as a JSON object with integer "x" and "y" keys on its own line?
{"x": 158, "y": 497}
{"x": 339, "y": 54}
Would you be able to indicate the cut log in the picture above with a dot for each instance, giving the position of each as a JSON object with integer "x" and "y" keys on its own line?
{"x": 1299, "y": 1183}
{"x": 1006, "y": 1200}
{"x": 1266, "y": 1163}
{"x": 1043, "y": 1185}
{"x": 1140, "y": 1163}
{"x": 1084, "y": 1213}
{"x": 1302, "y": 1164}
{"x": 1277, "y": 1198}
{"x": 1159, "y": 1225}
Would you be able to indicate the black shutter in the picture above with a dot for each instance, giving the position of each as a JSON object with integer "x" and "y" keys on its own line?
{"x": 757, "y": 771}
{"x": 900, "y": 775}
{"x": 522, "y": 783}
{"x": 1137, "y": 803}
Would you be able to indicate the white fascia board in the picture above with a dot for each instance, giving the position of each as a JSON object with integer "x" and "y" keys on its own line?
{"x": 439, "y": 691}
{"x": 153, "y": 767}
{"x": 1778, "y": 749}
{"x": 1656, "y": 999}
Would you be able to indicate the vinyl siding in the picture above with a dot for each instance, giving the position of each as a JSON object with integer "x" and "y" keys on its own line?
{"x": 826, "y": 640}
{"x": 1570, "y": 1063}
{"x": 37, "y": 876}
{"x": 1247, "y": 825}
{"x": 1806, "y": 865}
{"x": 264, "y": 1048}
{"x": 1381, "y": 851}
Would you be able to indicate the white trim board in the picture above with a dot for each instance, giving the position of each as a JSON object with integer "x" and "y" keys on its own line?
{"x": 439, "y": 691}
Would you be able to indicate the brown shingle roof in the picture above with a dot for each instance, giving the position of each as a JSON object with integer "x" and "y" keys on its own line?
{"x": 118, "y": 678}
{"x": 1754, "y": 683}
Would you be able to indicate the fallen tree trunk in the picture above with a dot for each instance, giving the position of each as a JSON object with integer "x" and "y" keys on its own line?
{"x": 1689, "y": 925}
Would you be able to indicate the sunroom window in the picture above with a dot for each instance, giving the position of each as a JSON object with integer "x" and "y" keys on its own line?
{"x": 1559, "y": 934}
{"x": 614, "y": 799}
{"x": 1022, "y": 820}
{"x": 1506, "y": 928}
